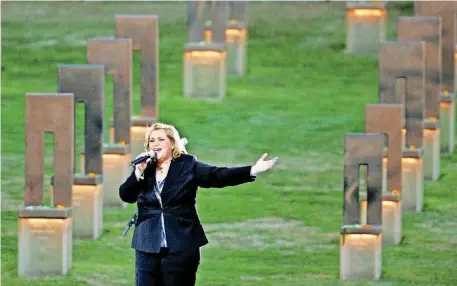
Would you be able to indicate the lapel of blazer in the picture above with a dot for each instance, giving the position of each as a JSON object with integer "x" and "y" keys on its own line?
{"x": 150, "y": 174}
{"x": 173, "y": 174}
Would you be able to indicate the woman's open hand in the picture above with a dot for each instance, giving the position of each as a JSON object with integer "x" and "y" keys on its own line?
{"x": 261, "y": 165}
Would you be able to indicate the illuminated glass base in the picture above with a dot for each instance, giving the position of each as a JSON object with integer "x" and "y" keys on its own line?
{"x": 412, "y": 184}
{"x": 45, "y": 246}
{"x": 116, "y": 169}
{"x": 360, "y": 256}
{"x": 365, "y": 30}
{"x": 431, "y": 154}
{"x": 447, "y": 127}
{"x": 205, "y": 73}
{"x": 87, "y": 205}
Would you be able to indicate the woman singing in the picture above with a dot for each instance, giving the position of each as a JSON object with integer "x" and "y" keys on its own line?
{"x": 168, "y": 234}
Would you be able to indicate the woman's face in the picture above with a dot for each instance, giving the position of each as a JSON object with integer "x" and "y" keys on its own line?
{"x": 161, "y": 144}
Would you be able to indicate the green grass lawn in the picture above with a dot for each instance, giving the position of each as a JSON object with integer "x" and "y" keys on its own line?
{"x": 300, "y": 95}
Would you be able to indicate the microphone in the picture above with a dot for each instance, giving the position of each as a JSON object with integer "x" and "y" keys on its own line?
{"x": 150, "y": 155}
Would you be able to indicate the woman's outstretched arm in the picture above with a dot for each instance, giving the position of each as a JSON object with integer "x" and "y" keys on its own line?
{"x": 209, "y": 176}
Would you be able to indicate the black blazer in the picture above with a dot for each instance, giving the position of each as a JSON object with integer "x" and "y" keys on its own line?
{"x": 182, "y": 225}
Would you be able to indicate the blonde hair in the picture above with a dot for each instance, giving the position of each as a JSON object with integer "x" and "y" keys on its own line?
{"x": 172, "y": 134}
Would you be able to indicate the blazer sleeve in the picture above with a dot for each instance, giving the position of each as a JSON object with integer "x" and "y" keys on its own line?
{"x": 218, "y": 177}
{"x": 129, "y": 190}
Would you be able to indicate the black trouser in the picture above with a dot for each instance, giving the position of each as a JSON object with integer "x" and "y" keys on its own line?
{"x": 167, "y": 269}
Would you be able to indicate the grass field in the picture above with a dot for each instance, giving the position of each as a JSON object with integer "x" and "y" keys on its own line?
{"x": 300, "y": 95}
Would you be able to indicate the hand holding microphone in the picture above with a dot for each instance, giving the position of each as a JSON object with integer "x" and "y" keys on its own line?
{"x": 144, "y": 157}
{"x": 142, "y": 160}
